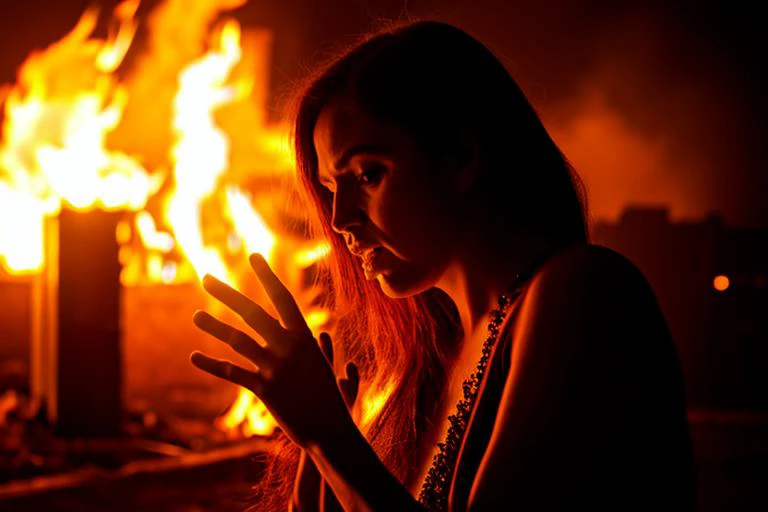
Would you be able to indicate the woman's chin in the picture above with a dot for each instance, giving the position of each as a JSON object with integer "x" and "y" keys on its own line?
{"x": 396, "y": 288}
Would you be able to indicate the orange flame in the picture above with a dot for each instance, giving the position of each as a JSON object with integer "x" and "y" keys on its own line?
{"x": 201, "y": 152}
{"x": 249, "y": 225}
{"x": 68, "y": 101}
{"x": 53, "y": 145}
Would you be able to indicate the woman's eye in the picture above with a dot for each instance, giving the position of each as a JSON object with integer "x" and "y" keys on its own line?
{"x": 371, "y": 175}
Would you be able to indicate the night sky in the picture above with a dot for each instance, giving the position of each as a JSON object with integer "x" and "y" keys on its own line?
{"x": 654, "y": 102}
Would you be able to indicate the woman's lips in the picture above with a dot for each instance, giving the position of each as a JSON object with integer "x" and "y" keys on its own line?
{"x": 372, "y": 262}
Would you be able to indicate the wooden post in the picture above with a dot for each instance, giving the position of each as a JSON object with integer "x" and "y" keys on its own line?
{"x": 76, "y": 355}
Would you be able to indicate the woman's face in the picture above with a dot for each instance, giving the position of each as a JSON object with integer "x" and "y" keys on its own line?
{"x": 393, "y": 204}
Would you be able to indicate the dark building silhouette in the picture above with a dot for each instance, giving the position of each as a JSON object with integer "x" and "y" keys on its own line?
{"x": 712, "y": 283}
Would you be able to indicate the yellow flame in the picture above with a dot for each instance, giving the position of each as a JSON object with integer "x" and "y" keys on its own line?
{"x": 150, "y": 236}
{"x": 54, "y": 150}
{"x": 260, "y": 422}
{"x": 53, "y": 147}
{"x": 307, "y": 257}
{"x": 249, "y": 225}
{"x": 110, "y": 57}
{"x": 275, "y": 142}
{"x": 201, "y": 151}
{"x": 373, "y": 402}
{"x": 21, "y": 231}
{"x": 123, "y": 232}
{"x": 317, "y": 318}
{"x": 237, "y": 411}
{"x": 249, "y": 411}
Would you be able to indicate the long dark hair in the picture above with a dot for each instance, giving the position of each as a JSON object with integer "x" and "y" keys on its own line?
{"x": 436, "y": 82}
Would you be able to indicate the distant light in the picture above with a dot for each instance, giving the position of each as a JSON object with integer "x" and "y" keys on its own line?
{"x": 721, "y": 283}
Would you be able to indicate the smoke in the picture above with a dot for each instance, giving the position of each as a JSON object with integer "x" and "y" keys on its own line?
{"x": 621, "y": 166}
{"x": 661, "y": 117}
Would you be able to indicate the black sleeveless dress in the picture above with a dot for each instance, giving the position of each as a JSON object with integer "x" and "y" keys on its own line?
{"x": 649, "y": 462}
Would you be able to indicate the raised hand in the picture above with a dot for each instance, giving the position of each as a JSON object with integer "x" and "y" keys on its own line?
{"x": 292, "y": 376}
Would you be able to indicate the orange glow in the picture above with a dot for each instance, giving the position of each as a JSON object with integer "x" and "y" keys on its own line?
{"x": 598, "y": 139}
{"x": 249, "y": 225}
{"x": 721, "y": 283}
{"x": 374, "y": 401}
{"x": 70, "y": 118}
{"x": 110, "y": 57}
{"x": 307, "y": 257}
{"x": 201, "y": 152}
{"x": 152, "y": 239}
{"x": 250, "y": 413}
{"x": 8, "y": 401}
{"x": 53, "y": 150}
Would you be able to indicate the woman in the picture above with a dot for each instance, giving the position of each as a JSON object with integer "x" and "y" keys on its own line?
{"x": 520, "y": 366}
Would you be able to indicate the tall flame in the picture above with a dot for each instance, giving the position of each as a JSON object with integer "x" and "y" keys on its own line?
{"x": 249, "y": 225}
{"x": 201, "y": 152}
{"x": 68, "y": 103}
{"x": 201, "y": 158}
{"x": 53, "y": 146}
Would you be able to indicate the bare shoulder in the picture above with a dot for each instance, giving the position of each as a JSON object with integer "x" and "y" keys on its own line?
{"x": 588, "y": 295}
{"x": 589, "y": 265}
{"x": 593, "y": 275}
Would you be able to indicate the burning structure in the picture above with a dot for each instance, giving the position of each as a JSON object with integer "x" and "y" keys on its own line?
{"x": 125, "y": 176}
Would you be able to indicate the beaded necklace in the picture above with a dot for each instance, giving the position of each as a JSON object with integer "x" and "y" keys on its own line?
{"x": 437, "y": 484}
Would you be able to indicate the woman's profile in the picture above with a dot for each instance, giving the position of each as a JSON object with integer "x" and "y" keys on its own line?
{"x": 518, "y": 366}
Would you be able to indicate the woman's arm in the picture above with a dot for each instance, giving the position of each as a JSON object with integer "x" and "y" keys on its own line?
{"x": 358, "y": 478}
{"x": 565, "y": 395}
{"x": 310, "y": 492}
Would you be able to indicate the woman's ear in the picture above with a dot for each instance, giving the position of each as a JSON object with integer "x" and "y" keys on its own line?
{"x": 467, "y": 160}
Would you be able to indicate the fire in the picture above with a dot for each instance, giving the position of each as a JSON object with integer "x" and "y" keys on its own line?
{"x": 21, "y": 234}
{"x": 373, "y": 403}
{"x": 307, "y": 257}
{"x": 201, "y": 152}
{"x": 67, "y": 124}
{"x": 250, "y": 413}
{"x": 249, "y": 224}
{"x": 53, "y": 141}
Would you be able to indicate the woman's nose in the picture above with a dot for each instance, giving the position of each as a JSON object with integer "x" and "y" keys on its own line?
{"x": 347, "y": 215}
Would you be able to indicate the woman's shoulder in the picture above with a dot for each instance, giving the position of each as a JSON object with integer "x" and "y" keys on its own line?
{"x": 590, "y": 272}
{"x": 591, "y": 296}
{"x": 589, "y": 259}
